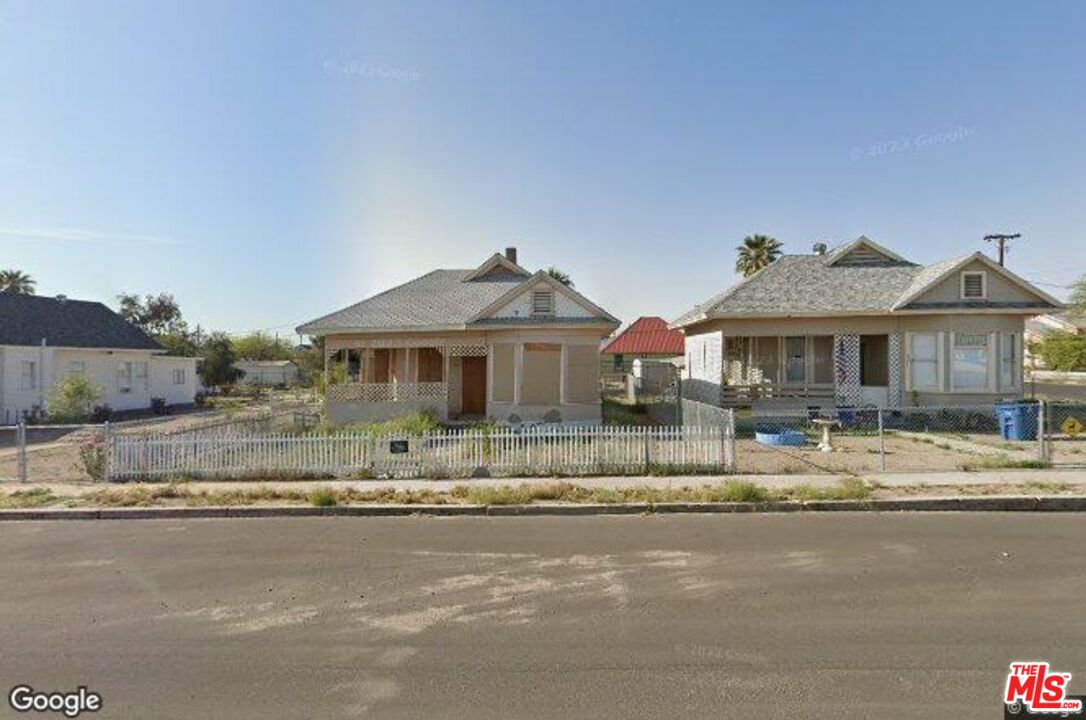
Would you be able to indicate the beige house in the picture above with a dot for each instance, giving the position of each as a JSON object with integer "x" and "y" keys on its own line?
{"x": 493, "y": 341}
{"x": 862, "y": 326}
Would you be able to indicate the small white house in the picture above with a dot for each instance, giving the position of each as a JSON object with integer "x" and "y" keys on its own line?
{"x": 44, "y": 340}
{"x": 268, "y": 372}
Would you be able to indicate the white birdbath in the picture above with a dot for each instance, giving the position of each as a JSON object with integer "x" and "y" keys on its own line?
{"x": 825, "y": 424}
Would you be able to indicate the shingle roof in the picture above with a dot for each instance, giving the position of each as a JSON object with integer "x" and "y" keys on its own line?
{"x": 438, "y": 298}
{"x": 441, "y": 298}
{"x": 28, "y": 319}
{"x": 647, "y": 335}
{"x": 812, "y": 285}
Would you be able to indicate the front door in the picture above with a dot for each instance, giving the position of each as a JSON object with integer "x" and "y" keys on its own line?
{"x": 874, "y": 370}
{"x": 473, "y": 386}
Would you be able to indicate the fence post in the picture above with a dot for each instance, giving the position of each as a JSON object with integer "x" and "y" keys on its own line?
{"x": 20, "y": 439}
{"x": 732, "y": 459}
{"x": 1042, "y": 450}
{"x": 882, "y": 444}
{"x": 107, "y": 471}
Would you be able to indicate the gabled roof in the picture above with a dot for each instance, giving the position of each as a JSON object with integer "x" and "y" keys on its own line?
{"x": 862, "y": 247}
{"x": 29, "y": 319}
{"x": 648, "y": 335}
{"x": 813, "y": 285}
{"x": 451, "y": 300}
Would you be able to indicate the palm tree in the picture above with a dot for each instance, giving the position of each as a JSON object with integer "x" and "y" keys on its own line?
{"x": 16, "y": 281}
{"x": 559, "y": 276}
{"x": 755, "y": 253}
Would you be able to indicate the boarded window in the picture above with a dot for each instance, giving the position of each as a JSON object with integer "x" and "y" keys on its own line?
{"x": 795, "y": 369}
{"x": 431, "y": 365}
{"x": 582, "y": 378}
{"x": 502, "y": 390}
{"x": 542, "y": 368}
{"x": 543, "y": 302}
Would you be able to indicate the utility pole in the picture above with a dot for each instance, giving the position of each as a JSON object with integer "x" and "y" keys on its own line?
{"x": 1002, "y": 240}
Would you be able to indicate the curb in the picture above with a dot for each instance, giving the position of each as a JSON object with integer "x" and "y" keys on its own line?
{"x": 991, "y": 503}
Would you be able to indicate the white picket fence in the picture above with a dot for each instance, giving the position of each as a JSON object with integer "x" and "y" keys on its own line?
{"x": 508, "y": 452}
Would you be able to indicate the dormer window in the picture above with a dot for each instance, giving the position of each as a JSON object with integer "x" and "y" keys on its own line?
{"x": 974, "y": 285}
{"x": 543, "y": 302}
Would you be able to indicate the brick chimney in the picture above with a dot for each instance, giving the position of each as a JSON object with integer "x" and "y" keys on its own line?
{"x": 511, "y": 255}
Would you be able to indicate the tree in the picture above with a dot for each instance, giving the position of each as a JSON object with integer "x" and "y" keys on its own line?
{"x": 1078, "y": 298}
{"x": 155, "y": 314}
{"x": 160, "y": 317}
{"x": 16, "y": 281}
{"x": 72, "y": 399}
{"x": 218, "y": 368}
{"x": 559, "y": 276}
{"x": 1063, "y": 351}
{"x": 756, "y": 252}
{"x": 261, "y": 346}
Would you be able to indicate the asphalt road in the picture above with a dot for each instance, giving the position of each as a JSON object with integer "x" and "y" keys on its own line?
{"x": 774, "y": 616}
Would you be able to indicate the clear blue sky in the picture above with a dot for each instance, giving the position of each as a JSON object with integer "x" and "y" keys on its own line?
{"x": 270, "y": 162}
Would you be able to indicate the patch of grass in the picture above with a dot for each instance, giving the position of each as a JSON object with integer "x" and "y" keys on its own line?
{"x": 411, "y": 424}
{"x": 846, "y": 489}
{"x": 323, "y": 497}
{"x": 1002, "y": 462}
{"x": 1047, "y": 487}
{"x": 33, "y": 497}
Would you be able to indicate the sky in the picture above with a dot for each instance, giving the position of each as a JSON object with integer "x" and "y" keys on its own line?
{"x": 270, "y": 162}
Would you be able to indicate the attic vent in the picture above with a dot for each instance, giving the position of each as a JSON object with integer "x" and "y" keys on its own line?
{"x": 863, "y": 255}
{"x": 542, "y": 302}
{"x": 974, "y": 285}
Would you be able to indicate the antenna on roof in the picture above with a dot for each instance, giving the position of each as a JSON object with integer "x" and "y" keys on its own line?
{"x": 1002, "y": 240}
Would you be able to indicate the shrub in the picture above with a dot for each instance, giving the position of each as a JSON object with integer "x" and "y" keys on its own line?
{"x": 1063, "y": 351}
{"x": 93, "y": 456}
{"x": 72, "y": 399}
{"x": 158, "y": 406}
{"x": 101, "y": 413}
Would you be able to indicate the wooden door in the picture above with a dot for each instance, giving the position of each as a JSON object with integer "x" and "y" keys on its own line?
{"x": 473, "y": 386}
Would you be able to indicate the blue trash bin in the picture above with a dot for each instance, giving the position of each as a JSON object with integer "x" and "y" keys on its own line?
{"x": 1017, "y": 421}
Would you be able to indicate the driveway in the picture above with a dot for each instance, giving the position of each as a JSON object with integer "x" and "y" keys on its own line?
{"x": 830, "y": 615}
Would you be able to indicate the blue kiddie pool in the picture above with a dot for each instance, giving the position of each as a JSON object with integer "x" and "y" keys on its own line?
{"x": 780, "y": 437}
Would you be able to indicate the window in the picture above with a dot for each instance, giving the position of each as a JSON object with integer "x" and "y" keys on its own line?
{"x": 969, "y": 362}
{"x": 974, "y": 285}
{"x": 542, "y": 302}
{"x": 795, "y": 352}
{"x": 141, "y": 375}
{"x": 77, "y": 367}
{"x": 1009, "y": 370}
{"x": 924, "y": 361}
{"x": 179, "y": 376}
{"x": 28, "y": 376}
{"x": 124, "y": 377}
{"x": 617, "y": 363}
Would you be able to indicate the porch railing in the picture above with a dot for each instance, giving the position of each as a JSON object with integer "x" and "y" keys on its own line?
{"x": 732, "y": 394}
{"x": 386, "y": 392}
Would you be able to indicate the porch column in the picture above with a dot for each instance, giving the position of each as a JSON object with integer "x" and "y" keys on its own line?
{"x": 489, "y": 373}
{"x": 562, "y": 375}
{"x": 518, "y": 370}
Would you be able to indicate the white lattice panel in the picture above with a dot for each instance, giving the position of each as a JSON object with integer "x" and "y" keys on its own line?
{"x": 893, "y": 352}
{"x": 385, "y": 392}
{"x": 465, "y": 350}
{"x": 846, "y": 361}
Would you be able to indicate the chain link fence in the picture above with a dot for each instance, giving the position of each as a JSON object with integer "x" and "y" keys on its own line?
{"x": 914, "y": 439}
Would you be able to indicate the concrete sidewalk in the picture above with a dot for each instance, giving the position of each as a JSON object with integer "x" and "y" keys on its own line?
{"x": 1069, "y": 476}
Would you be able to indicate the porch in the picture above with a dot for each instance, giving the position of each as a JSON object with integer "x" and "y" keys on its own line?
{"x": 514, "y": 377}
{"x": 375, "y": 380}
{"x": 801, "y": 371}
